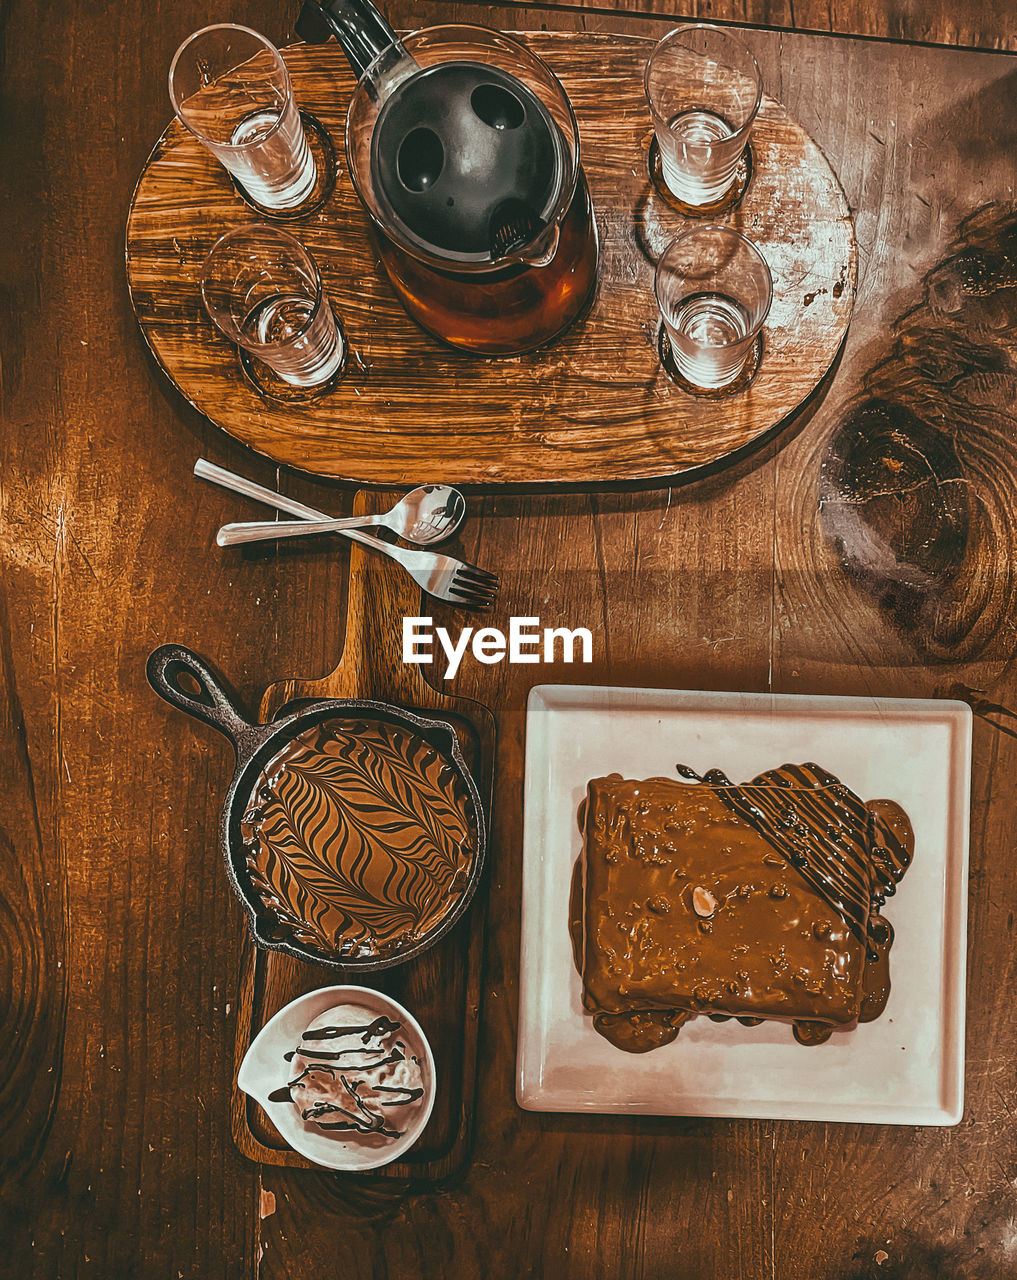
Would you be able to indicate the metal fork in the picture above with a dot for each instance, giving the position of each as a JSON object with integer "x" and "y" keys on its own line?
{"x": 440, "y": 576}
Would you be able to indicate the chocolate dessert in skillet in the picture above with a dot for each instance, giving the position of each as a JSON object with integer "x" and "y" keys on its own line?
{"x": 358, "y": 838}
{"x": 758, "y": 901}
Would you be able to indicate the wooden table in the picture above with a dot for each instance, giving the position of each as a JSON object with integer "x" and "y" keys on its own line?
{"x": 119, "y": 939}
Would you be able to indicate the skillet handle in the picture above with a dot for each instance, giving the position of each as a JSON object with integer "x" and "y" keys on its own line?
{"x": 214, "y": 702}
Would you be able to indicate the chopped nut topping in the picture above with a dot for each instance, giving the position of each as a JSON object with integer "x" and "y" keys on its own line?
{"x": 703, "y": 901}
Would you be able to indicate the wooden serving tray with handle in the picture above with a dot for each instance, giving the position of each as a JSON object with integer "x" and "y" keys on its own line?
{"x": 441, "y": 988}
{"x": 595, "y": 406}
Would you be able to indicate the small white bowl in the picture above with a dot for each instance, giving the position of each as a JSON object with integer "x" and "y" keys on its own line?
{"x": 264, "y": 1070}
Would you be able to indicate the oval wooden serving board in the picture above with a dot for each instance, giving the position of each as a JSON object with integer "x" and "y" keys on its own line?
{"x": 594, "y": 406}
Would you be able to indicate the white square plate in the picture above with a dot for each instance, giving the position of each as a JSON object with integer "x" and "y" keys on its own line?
{"x": 907, "y": 1067}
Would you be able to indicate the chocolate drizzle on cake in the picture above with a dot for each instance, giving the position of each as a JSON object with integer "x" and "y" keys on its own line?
{"x": 825, "y": 832}
{"x": 358, "y": 838}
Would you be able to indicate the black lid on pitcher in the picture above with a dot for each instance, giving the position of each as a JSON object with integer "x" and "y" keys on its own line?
{"x": 467, "y": 159}
{"x": 467, "y": 163}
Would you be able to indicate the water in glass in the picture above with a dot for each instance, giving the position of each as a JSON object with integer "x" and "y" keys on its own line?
{"x": 275, "y": 167}
{"x": 307, "y": 347}
{"x": 690, "y": 166}
{"x": 708, "y": 333}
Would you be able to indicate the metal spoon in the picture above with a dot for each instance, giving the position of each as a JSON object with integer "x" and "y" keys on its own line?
{"x": 428, "y": 514}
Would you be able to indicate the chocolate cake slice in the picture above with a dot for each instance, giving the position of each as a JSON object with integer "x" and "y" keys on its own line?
{"x": 748, "y": 901}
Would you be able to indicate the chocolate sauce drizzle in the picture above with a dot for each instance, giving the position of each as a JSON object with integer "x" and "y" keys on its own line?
{"x": 381, "y": 1026}
{"x": 358, "y": 1106}
{"x": 847, "y": 852}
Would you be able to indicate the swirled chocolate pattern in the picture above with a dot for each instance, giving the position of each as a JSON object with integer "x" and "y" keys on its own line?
{"x": 358, "y": 838}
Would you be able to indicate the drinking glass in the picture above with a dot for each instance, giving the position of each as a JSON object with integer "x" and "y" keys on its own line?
{"x": 714, "y": 291}
{"x": 704, "y": 88}
{"x": 231, "y": 89}
{"x": 263, "y": 290}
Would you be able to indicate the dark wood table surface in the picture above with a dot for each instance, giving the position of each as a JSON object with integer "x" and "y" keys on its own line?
{"x": 869, "y": 549}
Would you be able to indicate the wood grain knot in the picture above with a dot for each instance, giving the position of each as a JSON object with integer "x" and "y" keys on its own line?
{"x": 919, "y": 482}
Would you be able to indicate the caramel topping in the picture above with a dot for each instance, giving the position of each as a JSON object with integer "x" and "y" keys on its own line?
{"x": 774, "y": 886}
{"x": 358, "y": 837}
{"x": 641, "y": 1031}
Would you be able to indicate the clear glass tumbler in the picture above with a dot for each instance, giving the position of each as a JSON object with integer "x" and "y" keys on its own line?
{"x": 229, "y": 86}
{"x": 704, "y": 89}
{"x": 263, "y": 290}
{"x": 714, "y": 291}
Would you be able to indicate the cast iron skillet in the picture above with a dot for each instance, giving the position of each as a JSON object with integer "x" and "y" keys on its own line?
{"x": 255, "y": 744}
